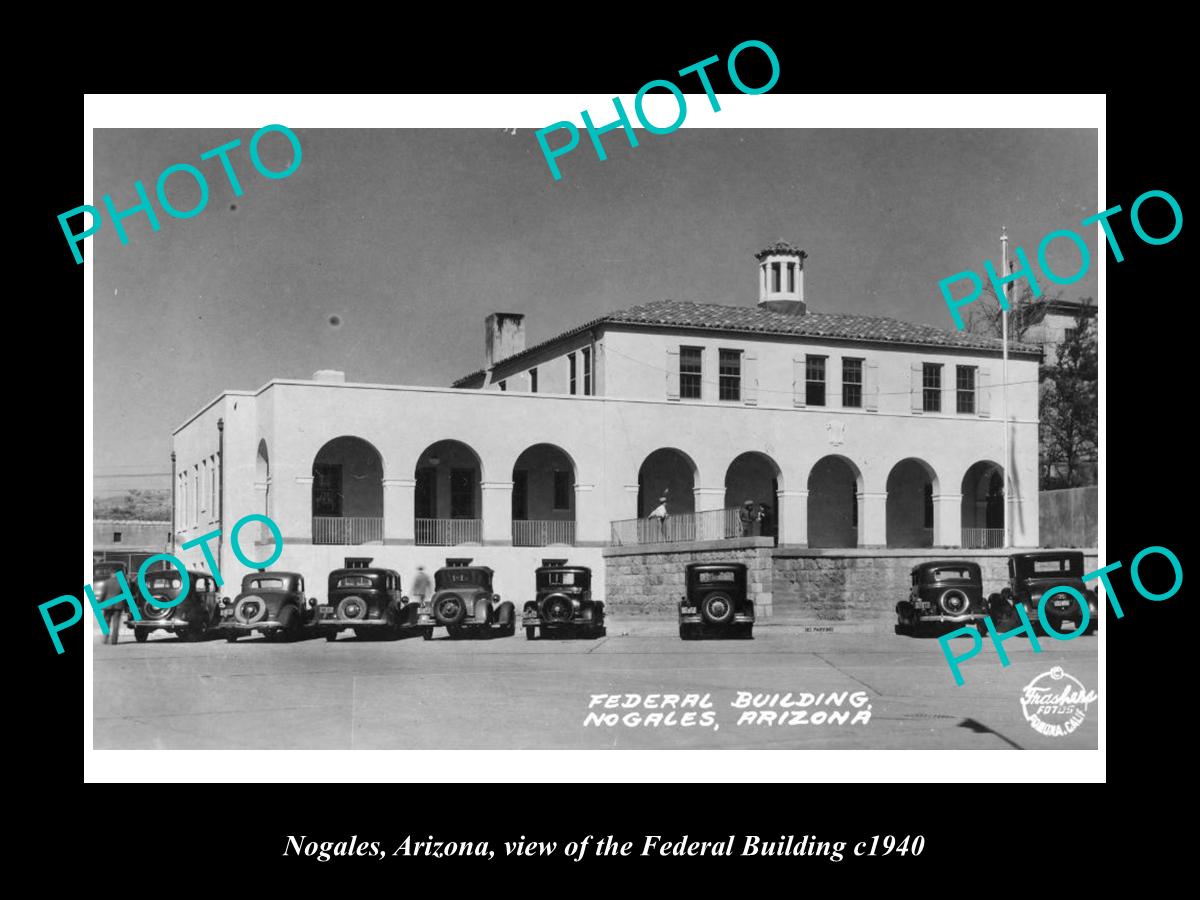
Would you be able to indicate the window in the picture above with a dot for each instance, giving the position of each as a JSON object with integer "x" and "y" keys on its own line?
{"x": 730, "y": 375}
{"x": 965, "y": 385}
{"x": 587, "y": 371}
{"x": 503, "y": 386}
{"x": 116, "y": 537}
{"x": 928, "y": 505}
{"x": 533, "y": 381}
{"x": 791, "y": 278}
{"x": 571, "y": 371}
{"x": 563, "y": 488}
{"x": 775, "y": 277}
{"x": 852, "y": 382}
{"x": 199, "y": 495}
{"x": 931, "y": 383}
{"x": 814, "y": 380}
{"x": 462, "y": 493}
{"x": 1068, "y": 334}
{"x": 206, "y": 493}
{"x": 690, "y": 372}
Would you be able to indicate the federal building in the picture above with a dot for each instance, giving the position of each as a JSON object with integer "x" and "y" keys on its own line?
{"x": 862, "y": 438}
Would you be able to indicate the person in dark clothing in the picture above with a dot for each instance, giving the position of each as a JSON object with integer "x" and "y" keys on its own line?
{"x": 746, "y": 518}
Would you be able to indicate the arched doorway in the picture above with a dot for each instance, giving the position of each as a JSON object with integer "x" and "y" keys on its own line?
{"x": 910, "y": 512}
{"x": 751, "y": 483}
{"x": 543, "y": 499}
{"x": 667, "y": 476}
{"x": 347, "y": 493}
{"x": 833, "y": 488}
{"x": 983, "y": 506}
{"x": 447, "y": 502}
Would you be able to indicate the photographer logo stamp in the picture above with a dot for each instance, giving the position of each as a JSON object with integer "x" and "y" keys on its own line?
{"x": 1055, "y": 703}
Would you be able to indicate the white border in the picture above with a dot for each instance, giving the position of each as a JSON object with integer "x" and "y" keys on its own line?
{"x": 533, "y": 111}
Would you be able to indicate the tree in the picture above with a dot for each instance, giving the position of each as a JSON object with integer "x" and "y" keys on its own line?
{"x": 1070, "y": 406}
{"x": 1025, "y": 311}
{"x": 147, "y": 505}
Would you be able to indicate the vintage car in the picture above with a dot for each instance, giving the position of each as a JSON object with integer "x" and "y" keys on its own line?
{"x": 366, "y": 600}
{"x": 272, "y": 603}
{"x": 1032, "y": 574}
{"x": 715, "y": 602}
{"x": 189, "y": 619}
{"x": 563, "y": 604}
{"x": 944, "y": 592}
{"x": 463, "y": 603}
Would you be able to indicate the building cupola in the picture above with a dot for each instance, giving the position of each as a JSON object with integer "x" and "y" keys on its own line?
{"x": 781, "y": 279}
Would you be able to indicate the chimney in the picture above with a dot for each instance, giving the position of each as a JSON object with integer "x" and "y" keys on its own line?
{"x": 504, "y": 336}
{"x": 781, "y": 279}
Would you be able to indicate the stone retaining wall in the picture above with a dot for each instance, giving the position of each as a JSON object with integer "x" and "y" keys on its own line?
{"x": 787, "y": 584}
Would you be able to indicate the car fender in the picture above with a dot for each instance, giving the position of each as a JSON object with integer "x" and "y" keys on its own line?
{"x": 506, "y": 613}
{"x": 483, "y": 610}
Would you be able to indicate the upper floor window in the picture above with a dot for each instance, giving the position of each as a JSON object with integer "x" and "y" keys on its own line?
{"x": 775, "y": 277}
{"x": 116, "y": 537}
{"x": 571, "y": 371}
{"x": 814, "y": 380}
{"x": 690, "y": 372}
{"x": 533, "y": 381}
{"x": 730, "y": 375}
{"x": 931, "y": 384}
{"x": 587, "y": 371}
{"x": 1068, "y": 334}
{"x": 965, "y": 386}
{"x": 852, "y": 382}
{"x": 791, "y": 278}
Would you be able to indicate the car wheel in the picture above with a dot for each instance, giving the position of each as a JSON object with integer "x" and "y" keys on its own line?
{"x": 530, "y": 632}
{"x": 141, "y": 635}
{"x": 717, "y": 608}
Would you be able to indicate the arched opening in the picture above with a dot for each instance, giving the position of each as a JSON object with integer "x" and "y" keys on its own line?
{"x": 448, "y": 503}
{"x": 347, "y": 493}
{"x": 262, "y": 477}
{"x": 666, "y": 480}
{"x": 543, "y": 498}
{"x": 983, "y": 506}
{"x": 833, "y": 488}
{"x": 751, "y": 496}
{"x": 910, "y": 512}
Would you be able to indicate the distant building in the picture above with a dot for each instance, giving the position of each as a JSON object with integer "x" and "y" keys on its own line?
{"x": 129, "y": 540}
{"x": 1057, "y": 320}
{"x": 858, "y": 431}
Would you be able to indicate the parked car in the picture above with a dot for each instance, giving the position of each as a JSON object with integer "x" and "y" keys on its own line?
{"x": 715, "y": 602}
{"x": 189, "y": 619}
{"x": 943, "y": 592}
{"x": 463, "y": 603}
{"x": 563, "y": 604}
{"x": 1032, "y": 574}
{"x": 272, "y": 603}
{"x": 366, "y": 600}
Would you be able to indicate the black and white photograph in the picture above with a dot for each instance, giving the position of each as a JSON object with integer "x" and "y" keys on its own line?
{"x": 418, "y": 447}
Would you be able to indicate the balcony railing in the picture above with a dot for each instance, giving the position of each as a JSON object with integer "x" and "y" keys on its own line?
{"x": 542, "y": 532}
{"x": 709, "y": 525}
{"x": 345, "y": 530}
{"x": 983, "y": 538}
{"x": 448, "y": 532}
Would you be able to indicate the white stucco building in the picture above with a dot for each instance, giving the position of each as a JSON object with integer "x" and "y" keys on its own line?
{"x": 859, "y": 431}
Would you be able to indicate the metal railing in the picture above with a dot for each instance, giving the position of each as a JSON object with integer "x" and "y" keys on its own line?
{"x": 447, "y": 532}
{"x": 345, "y": 530}
{"x": 983, "y": 538}
{"x": 542, "y": 532}
{"x": 708, "y": 525}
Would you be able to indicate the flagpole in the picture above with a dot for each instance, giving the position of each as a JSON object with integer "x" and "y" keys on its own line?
{"x": 1004, "y": 385}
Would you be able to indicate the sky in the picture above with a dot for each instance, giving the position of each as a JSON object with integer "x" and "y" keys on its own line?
{"x": 382, "y": 254}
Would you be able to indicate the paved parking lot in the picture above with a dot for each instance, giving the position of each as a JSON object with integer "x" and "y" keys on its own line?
{"x": 509, "y": 693}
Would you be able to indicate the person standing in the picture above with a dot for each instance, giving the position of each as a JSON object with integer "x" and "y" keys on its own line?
{"x": 746, "y": 518}
{"x": 659, "y": 514}
{"x": 421, "y": 586}
{"x": 766, "y": 520}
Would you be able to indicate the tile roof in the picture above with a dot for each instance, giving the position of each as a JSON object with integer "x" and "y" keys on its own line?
{"x": 754, "y": 320}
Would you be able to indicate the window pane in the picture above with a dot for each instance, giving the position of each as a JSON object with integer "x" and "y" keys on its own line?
{"x": 852, "y": 377}
{"x": 791, "y": 278}
{"x": 587, "y": 371}
{"x": 931, "y": 375}
{"x": 689, "y": 372}
{"x": 775, "y": 277}
{"x": 571, "y": 370}
{"x": 533, "y": 381}
{"x": 965, "y": 384}
{"x": 730, "y": 382}
{"x": 814, "y": 373}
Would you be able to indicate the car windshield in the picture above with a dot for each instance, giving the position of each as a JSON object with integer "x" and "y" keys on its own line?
{"x": 708, "y": 577}
{"x": 1064, "y": 565}
{"x": 163, "y": 583}
{"x": 950, "y": 573}
{"x": 355, "y": 581}
{"x": 267, "y": 584}
{"x": 564, "y": 578}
